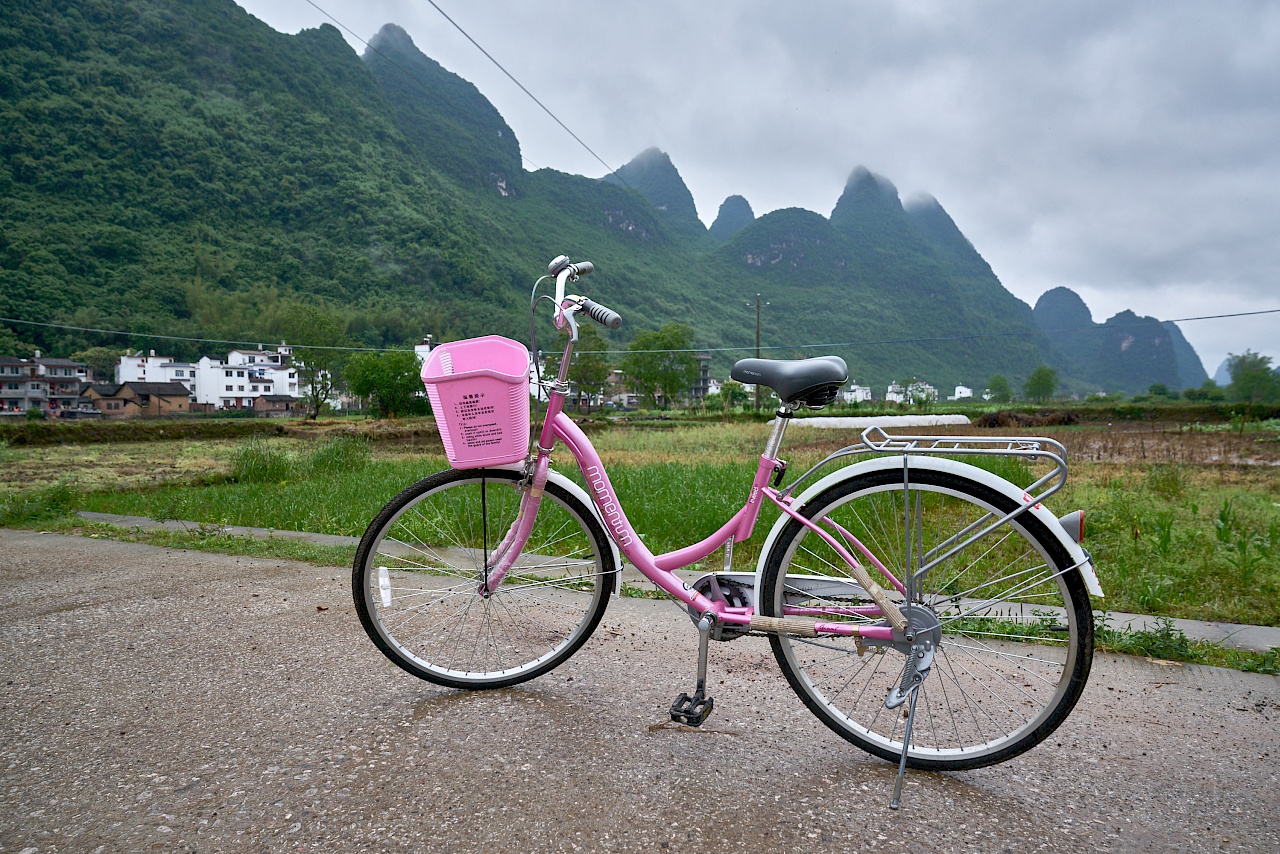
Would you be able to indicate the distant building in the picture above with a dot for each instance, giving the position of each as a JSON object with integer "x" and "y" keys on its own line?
{"x": 275, "y": 404}
{"x": 856, "y": 394}
{"x": 47, "y": 384}
{"x": 962, "y": 393}
{"x": 702, "y": 387}
{"x": 134, "y": 399}
{"x": 915, "y": 392}
{"x": 211, "y": 383}
{"x": 921, "y": 392}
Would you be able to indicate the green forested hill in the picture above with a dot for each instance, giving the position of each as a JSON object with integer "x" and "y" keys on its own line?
{"x": 1127, "y": 353}
{"x": 180, "y": 168}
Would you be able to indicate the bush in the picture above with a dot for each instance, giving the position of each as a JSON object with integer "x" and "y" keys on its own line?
{"x": 41, "y": 505}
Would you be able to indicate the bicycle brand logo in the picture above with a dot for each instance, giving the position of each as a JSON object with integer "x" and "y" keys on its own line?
{"x": 609, "y": 506}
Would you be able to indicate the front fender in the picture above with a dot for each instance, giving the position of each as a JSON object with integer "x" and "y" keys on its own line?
{"x": 1078, "y": 555}
{"x": 579, "y": 493}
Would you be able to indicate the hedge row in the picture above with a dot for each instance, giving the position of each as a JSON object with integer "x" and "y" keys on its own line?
{"x": 52, "y": 432}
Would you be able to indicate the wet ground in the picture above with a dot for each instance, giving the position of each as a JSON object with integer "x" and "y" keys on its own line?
{"x": 163, "y": 700}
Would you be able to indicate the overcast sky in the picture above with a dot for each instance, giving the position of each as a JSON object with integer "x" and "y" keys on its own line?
{"x": 1128, "y": 150}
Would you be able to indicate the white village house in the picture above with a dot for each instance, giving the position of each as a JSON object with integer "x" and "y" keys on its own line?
{"x": 856, "y": 393}
{"x": 916, "y": 392}
{"x": 235, "y": 383}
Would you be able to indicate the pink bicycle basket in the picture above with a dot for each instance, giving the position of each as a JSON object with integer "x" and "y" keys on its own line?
{"x": 479, "y": 393}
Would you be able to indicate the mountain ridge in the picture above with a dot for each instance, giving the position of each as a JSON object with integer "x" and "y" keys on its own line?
{"x": 244, "y": 173}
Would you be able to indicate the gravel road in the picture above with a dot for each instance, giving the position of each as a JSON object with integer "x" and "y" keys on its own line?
{"x": 165, "y": 700}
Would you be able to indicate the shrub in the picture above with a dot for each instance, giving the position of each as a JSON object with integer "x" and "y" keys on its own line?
{"x": 41, "y": 505}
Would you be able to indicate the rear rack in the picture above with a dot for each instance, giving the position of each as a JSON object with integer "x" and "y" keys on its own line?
{"x": 876, "y": 441}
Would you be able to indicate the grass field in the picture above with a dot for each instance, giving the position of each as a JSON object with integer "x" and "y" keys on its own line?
{"x": 1182, "y": 522}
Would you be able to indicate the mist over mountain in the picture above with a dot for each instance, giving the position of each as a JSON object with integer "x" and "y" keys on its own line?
{"x": 182, "y": 169}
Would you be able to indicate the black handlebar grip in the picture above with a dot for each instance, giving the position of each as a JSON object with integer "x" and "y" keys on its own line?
{"x": 584, "y": 267}
{"x": 602, "y": 315}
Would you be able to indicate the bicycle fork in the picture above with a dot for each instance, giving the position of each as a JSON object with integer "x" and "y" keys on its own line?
{"x": 508, "y": 550}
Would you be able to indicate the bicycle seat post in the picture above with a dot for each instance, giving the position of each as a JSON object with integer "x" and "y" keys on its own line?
{"x": 774, "y": 446}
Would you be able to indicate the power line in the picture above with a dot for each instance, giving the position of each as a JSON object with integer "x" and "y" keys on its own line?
{"x": 184, "y": 338}
{"x": 488, "y": 56}
{"x": 1096, "y": 328}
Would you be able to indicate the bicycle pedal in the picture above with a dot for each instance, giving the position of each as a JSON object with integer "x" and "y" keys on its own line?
{"x": 691, "y": 711}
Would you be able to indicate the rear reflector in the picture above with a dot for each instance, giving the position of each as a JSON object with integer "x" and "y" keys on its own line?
{"x": 1073, "y": 524}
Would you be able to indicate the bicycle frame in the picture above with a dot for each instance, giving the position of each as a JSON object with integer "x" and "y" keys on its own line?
{"x": 660, "y": 569}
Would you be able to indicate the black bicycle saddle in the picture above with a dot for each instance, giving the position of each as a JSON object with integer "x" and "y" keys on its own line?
{"x": 809, "y": 382}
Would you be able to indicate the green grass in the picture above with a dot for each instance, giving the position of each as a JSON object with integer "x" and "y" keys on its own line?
{"x": 1168, "y": 643}
{"x": 1175, "y": 540}
{"x": 210, "y": 539}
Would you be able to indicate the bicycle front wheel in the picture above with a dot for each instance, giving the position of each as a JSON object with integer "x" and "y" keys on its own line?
{"x": 421, "y": 565}
{"x": 1017, "y": 628}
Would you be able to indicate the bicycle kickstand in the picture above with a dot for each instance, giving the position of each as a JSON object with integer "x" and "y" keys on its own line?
{"x": 915, "y": 669}
{"x": 896, "y": 801}
{"x": 688, "y": 710}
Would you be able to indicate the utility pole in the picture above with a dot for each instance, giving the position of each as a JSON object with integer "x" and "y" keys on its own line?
{"x": 758, "y": 304}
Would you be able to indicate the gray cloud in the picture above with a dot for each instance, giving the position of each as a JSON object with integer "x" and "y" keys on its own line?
{"x": 1123, "y": 148}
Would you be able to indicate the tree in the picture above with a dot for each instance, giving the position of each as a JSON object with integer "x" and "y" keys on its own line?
{"x": 1162, "y": 390}
{"x": 732, "y": 395}
{"x": 11, "y": 345}
{"x": 1252, "y": 379}
{"x": 1209, "y": 390}
{"x": 101, "y": 362}
{"x": 319, "y": 357}
{"x": 998, "y": 389}
{"x": 662, "y": 363}
{"x": 591, "y": 368}
{"x": 391, "y": 378}
{"x": 1041, "y": 384}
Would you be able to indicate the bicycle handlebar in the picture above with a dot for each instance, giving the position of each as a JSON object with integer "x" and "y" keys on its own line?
{"x": 566, "y": 271}
{"x": 602, "y": 314}
{"x": 561, "y": 263}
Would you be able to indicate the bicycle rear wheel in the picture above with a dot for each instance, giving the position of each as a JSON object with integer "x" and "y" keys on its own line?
{"x": 420, "y": 566}
{"x": 1017, "y": 628}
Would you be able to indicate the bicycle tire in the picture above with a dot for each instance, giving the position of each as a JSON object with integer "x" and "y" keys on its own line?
{"x": 1004, "y": 677}
{"x": 417, "y": 577}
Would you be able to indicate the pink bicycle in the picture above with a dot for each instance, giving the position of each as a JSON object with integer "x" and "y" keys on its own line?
{"x": 925, "y": 609}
